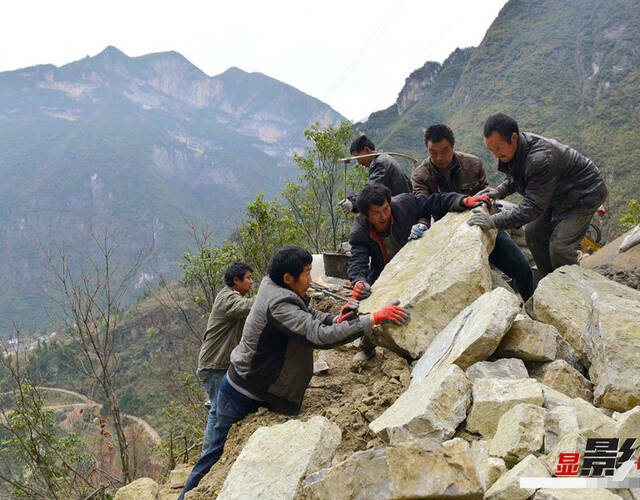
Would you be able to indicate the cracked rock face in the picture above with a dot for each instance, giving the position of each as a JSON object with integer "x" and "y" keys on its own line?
{"x": 294, "y": 449}
{"x": 472, "y": 336}
{"x": 599, "y": 319}
{"x": 435, "y": 277}
{"x": 433, "y": 408}
{"x": 492, "y": 398}
{"x": 398, "y": 472}
{"x": 520, "y": 433}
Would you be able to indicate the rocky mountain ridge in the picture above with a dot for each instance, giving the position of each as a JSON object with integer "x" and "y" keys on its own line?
{"x": 140, "y": 145}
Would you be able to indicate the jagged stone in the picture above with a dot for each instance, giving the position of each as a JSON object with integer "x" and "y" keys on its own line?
{"x": 144, "y": 488}
{"x": 433, "y": 408}
{"x": 591, "y": 421}
{"x": 415, "y": 277}
{"x": 493, "y": 397}
{"x": 178, "y": 476}
{"x": 554, "y": 398}
{"x": 398, "y": 472}
{"x": 507, "y": 487}
{"x": 568, "y": 353}
{"x": 501, "y": 368}
{"x": 472, "y": 335}
{"x": 598, "y": 318}
{"x": 167, "y": 493}
{"x": 275, "y": 459}
{"x": 576, "y": 494}
{"x": 565, "y": 378}
{"x": 628, "y": 424}
{"x": 520, "y": 433}
{"x": 558, "y": 422}
{"x": 573, "y": 442}
{"x": 488, "y": 468}
{"x": 529, "y": 340}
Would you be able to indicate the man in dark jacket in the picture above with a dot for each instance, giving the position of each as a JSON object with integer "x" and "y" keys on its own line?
{"x": 562, "y": 190}
{"x": 446, "y": 170}
{"x": 384, "y": 226}
{"x": 273, "y": 363}
{"x": 224, "y": 329}
{"x": 383, "y": 169}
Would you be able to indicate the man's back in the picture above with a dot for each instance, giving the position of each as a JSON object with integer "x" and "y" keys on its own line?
{"x": 385, "y": 170}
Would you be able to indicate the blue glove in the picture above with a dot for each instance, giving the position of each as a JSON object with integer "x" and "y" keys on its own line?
{"x": 417, "y": 231}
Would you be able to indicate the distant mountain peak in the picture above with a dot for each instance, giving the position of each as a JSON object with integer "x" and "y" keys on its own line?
{"x": 111, "y": 51}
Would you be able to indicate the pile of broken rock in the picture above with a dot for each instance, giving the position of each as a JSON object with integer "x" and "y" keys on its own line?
{"x": 495, "y": 394}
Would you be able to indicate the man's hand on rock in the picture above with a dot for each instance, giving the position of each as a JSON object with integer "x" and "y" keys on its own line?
{"x": 361, "y": 290}
{"x": 391, "y": 314}
{"x": 346, "y": 206}
{"x": 492, "y": 193}
{"x": 479, "y": 218}
{"x": 476, "y": 201}
{"x": 417, "y": 230}
{"x": 349, "y": 311}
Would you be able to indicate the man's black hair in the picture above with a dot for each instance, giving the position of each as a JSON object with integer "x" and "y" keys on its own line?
{"x": 503, "y": 124}
{"x": 360, "y": 143}
{"x": 437, "y": 133}
{"x": 289, "y": 259}
{"x": 372, "y": 194}
{"x": 236, "y": 270}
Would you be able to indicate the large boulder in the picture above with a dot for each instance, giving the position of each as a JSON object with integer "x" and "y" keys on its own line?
{"x": 178, "y": 476}
{"x": 400, "y": 472}
{"x": 501, "y": 368}
{"x": 563, "y": 377}
{"x": 275, "y": 459}
{"x": 472, "y": 335}
{"x": 559, "y": 422}
{"x": 508, "y": 486}
{"x": 493, "y": 397}
{"x": 598, "y": 317}
{"x": 628, "y": 424}
{"x": 433, "y": 408}
{"x": 520, "y": 433}
{"x": 144, "y": 488}
{"x": 435, "y": 277}
{"x": 529, "y": 340}
{"x": 488, "y": 468}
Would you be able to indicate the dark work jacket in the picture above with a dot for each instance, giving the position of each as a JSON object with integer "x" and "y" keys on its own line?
{"x": 406, "y": 209}
{"x": 551, "y": 176}
{"x": 274, "y": 359}
{"x": 383, "y": 169}
{"x": 467, "y": 174}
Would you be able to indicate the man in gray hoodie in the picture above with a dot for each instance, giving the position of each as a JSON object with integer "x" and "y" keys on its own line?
{"x": 273, "y": 363}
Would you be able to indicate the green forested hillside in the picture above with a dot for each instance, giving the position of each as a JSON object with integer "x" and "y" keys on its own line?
{"x": 568, "y": 69}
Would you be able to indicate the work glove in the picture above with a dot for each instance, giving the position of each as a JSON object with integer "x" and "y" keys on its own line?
{"x": 492, "y": 193}
{"x": 479, "y": 218}
{"x": 346, "y": 206}
{"x": 349, "y": 311}
{"x": 361, "y": 290}
{"x": 417, "y": 230}
{"x": 392, "y": 314}
{"x": 476, "y": 201}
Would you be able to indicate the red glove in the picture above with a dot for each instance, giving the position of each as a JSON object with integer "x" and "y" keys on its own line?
{"x": 348, "y": 311}
{"x": 601, "y": 212}
{"x": 476, "y": 201}
{"x": 393, "y": 313}
{"x": 362, "y": 290}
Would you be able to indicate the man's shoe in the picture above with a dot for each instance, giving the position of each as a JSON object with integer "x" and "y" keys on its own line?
{"x": 363, "y": 356}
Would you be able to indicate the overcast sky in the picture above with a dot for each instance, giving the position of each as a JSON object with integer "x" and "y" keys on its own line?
{"x": 354, "y": 55}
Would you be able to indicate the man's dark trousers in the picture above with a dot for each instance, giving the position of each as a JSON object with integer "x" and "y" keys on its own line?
{"x": 231, "y": 407}
{"x": 555, "y": 243}
{"x": 508, "y": 257}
